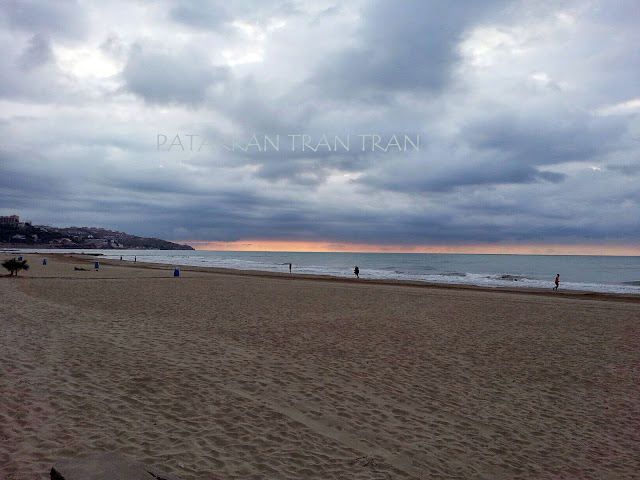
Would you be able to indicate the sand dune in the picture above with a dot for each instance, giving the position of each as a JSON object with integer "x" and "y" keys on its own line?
{"x": 214, "y": 376}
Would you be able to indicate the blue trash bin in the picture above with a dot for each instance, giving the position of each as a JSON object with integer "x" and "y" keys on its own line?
{"x": 176, "y": 272}
{"x": 97, "y": 265}
{"x": 19, "y": 259}
{"x": 44, "y": 261}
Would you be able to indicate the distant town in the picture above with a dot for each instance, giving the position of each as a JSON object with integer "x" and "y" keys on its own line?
{"x": 16, "y": 234}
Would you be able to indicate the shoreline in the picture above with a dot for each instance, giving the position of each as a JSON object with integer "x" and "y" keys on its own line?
{"x": 490, "y": 279}
{"x": 574, "y": 294}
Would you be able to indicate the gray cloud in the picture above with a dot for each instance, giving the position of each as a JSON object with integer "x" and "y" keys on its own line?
{"x": 25, "y": 62}
{"x": 65, "y": 18}
{"x": 38, "y": 52}
{"x": 554, "y": 137}
{"x": 160, "y": 77}
{"x": 407, "y": 46}
{"x": 201, "y": 14}
{"x": 527, "y": 114}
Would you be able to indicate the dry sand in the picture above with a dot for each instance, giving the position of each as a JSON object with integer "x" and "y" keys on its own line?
{"x": 216, "y": 375}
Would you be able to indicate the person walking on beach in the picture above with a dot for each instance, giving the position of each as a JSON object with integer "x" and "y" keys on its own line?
{"x": 289, "y": 268}
{"x": 557, "y": 282}
{"x": 356, "y": 272}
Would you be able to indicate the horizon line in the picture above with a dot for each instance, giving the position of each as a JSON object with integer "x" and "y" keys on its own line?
{"x": 292, "y": 246}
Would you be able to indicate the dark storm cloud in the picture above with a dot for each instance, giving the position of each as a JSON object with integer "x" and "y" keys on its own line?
{"x": 28, "y": 69}
{"x": 632, "y": 169}
{"x": 22, "y": 186}
{"x": 216, "y": 15}
{"x": 225, "y": 215}
{"x": 447, "y": 179}
{"x": 527, "y": 114}
{"x": 543, "y": 138}
{"x": 409, "y": 45}
{"x": 65, "y": 18}
{"x": 210, "y": 15}
{"x": 305, "y": 168}
{"x": 161, "y": 77}
{"x": 37, "y": 52}
{"x": 506, "y": 149}
{"x": 275, "y": 223}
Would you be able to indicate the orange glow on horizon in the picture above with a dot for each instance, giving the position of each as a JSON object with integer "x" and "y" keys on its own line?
{"x": 328, "y": 246}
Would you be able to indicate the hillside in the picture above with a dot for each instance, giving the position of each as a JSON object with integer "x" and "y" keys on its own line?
{"x": 27, "y": 235}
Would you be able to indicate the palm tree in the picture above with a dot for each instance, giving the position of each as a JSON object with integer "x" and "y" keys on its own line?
{"x": 14, "y": 266}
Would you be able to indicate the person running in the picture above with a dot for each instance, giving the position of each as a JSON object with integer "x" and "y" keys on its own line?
{"x": 557, "y": 282}
{"x": 356, "y": 272}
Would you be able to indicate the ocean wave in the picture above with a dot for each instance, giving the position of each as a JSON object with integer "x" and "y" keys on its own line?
{"x": 513, "y": 278}
{"x": 484, "y": 271}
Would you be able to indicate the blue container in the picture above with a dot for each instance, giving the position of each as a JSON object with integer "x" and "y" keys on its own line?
{"x": 19, "y": 259}
{"x": 44, "y": 261}
{"x": 176, "y": 272}
{"x": 97, "y": 265}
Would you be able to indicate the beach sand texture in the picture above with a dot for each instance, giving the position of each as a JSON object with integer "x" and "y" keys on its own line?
{"x": 215, "y": 376}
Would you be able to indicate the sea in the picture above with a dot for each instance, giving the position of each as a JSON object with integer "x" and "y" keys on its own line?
{"x": 589, "y": 273}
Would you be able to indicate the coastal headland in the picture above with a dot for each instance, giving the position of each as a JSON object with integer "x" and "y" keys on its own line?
{"x": 226, "y": 374}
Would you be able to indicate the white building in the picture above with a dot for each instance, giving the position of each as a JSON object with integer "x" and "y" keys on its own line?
{"x": 10, "y": 220}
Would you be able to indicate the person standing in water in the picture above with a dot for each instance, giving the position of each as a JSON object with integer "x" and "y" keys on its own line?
{"x": 356, "y": 272}
{"x": 557, "y": 282}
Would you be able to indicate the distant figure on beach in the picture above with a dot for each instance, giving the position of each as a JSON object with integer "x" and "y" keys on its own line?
{"x": 120, "y": 257}
{"x": 557, "y": 282}
{"x": 135, "y": 259}
{"x": 289, "y": 268}
{"x": 356, "y": 272}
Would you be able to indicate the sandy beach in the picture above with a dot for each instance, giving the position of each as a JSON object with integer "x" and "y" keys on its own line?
{"x": 216, "y": 375}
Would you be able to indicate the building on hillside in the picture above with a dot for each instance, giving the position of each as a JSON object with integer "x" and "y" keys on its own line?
{"x": 10, "y": 220}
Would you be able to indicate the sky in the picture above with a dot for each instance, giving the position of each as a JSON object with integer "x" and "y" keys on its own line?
{"x": 412, "y": 125}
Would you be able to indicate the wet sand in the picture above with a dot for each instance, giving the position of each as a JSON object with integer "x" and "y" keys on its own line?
{"x": 221, "y": 374}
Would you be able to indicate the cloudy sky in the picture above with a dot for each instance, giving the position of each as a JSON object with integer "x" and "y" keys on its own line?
{"x": 152, "y": 117}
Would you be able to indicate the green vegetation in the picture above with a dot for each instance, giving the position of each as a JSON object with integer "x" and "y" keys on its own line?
{"x": 14, "y": 266}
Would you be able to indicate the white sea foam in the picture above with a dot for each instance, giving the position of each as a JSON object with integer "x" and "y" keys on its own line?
{"x": 578, "y": 273}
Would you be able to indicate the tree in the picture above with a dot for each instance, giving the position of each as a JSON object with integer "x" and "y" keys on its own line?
{"x": 14, "y": 266}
